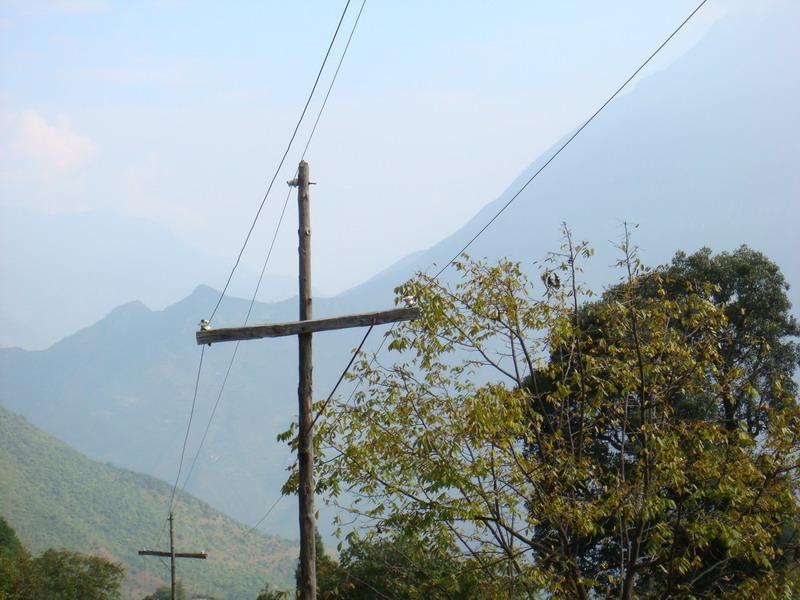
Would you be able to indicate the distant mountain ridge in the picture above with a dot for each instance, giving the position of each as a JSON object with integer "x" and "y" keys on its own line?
{"x": 55, "y": 497}
{"x": 92, "y": 262}
{"x": 704, "y": 152}
{"x": 124, "y": 386}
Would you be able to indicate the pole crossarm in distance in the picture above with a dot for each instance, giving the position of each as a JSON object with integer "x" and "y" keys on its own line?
{"x": 172, "y": 556}
{"x": 164, "y": 553}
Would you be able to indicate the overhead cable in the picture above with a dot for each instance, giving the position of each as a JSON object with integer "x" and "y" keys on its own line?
{"x": 280, "y": 164}
{"x": 542, "y": 168}
{"x": 272, "y": 242}
{"x": 569, "y": 140}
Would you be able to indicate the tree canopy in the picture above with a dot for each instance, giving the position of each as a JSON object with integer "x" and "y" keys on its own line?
{"x": 641, "y": 444}
{"x": 10, "y": 546}
{"x": 165, "y": 593}
{"x": 55, "y": 574}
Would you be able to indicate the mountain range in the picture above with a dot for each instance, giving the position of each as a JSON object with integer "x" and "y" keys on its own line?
{"x": 93, "y": 262}
{"x": 702, "y": 153}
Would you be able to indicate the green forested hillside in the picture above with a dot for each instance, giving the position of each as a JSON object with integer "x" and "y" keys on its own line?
{"x": 56, "y": 497}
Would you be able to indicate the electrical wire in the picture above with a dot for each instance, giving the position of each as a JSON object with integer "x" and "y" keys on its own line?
{"x": 547, "y": 163}
{"x": 333, "y": 79}
{"x": 349, "y": 574}
{"x": 319, "y": 413}
{"x": 236, "y": 347}
{"x": 244, "y": 245}
{"x": 321, "y": 410}
{"x": 266, "y": 514}
{"x": 272, "y": 242}
{"x": 185, "y": 438}
{"x": 280, "y": 164}
{"x": 269, "y": 252}
{"x": 569, "y": 140}
{"x": 341, "y": 377}
{"x": 188, "y": 426}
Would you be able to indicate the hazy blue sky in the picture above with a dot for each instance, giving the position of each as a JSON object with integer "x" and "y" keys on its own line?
{"x": 178, "y": 111}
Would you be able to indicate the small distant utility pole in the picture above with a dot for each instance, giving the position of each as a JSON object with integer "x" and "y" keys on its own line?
{"x": 303, "y": 329}
{"x": 172, "y": 554}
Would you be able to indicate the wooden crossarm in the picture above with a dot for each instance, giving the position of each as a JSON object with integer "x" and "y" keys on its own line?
{"x": 202, "y": 555}
{"x": 252, "y": 332}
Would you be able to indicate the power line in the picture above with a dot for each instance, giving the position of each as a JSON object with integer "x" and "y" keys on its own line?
{"x": 185, "y": 438}
{"x": 351, "y": 575}
{"x": 439, "y": 273}
{"x": 572, "y": 137}
{"x": 319, "y": 413}
{"x": 266, "y": 514}
{"x": 272, "y": 242}
{"x": 333, "y": 79}
{"x": 280, "y": 164}
{"x": 545, "y": 165}
{"x": 341, "y": 377}
{"x": 188, "y": 426}
{"x": 538, "y": 171}
{"x": 502, "y": 209}
{"x": 330, "y": 396}
{"x": 236, "y": 347}
{"x": 211, "y": 418}
{"x": 269, "y": 253}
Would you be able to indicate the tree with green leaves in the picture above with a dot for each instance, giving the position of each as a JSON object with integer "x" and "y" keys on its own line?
{"x": 380, "y": 566}
{"x": 759, "y": 348}
{"x": 55, "y": 574}
{"x": 62, "y": 574}
{"x": 641, "y": 445}
{"x": 267, "y": 593}
{"x": 10, "y": 546}
{"x": 165, "y": 593}
{"x": 328, "y": 573}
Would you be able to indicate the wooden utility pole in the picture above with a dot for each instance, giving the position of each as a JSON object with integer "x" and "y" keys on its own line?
{"x": 172, "y": 554}
{"x": 304, "y": 328}
{"x": 305, "y": 447}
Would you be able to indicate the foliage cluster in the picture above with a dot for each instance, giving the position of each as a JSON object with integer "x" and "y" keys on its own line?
{"x": 165, "y": 593}
{"x": 398, "y": 567}
{"x": 642, "y": 444}
{"x": 55, "y": 574}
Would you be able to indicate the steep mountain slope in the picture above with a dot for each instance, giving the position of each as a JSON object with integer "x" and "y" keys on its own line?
{"x": 55, "y": 497}
{"x": 702, "y": 153}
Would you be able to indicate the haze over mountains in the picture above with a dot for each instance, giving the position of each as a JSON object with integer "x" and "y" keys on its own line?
{"x": 92, "y": 262}
{"x": 702, "y": 153}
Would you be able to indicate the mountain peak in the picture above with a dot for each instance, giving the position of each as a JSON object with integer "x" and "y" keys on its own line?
{"x": 136, "y": 307}
{"x": 204, "y": 291}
